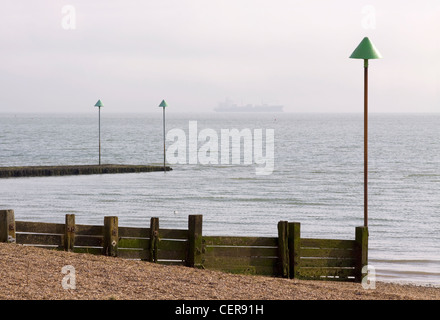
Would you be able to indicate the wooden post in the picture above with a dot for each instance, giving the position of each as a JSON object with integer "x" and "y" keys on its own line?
{"x": 110, "y": 244}
{"x": 7, "y": 226}
{"x": 194, "y": 258}
{"x": 283, "y": 249}
{"x": 362, "y": 250}
{"x": 154, "y": 238}
{"x": 294, "y": 238}
{"x": 69, "y": 232}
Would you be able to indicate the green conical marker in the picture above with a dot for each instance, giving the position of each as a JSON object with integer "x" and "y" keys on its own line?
{"x": 366, "y": 50}
{"x": 99, "y": 104}
{"x": 163, "y": 104}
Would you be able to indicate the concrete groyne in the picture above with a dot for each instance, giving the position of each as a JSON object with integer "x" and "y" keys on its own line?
{"x": 40, "y": 171}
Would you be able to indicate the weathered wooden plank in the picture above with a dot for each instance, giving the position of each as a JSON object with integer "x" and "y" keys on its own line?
{"x": 171, "y": 262}
{"x": 319, "y": 273}
{"x": 171, "y": 255}
{"x": 40, "y": 239}
{"x": 294, "y": 242}
{"x": 283, "y": 248}
{"x": 134, "y": 232}
{"x": 240, "y": 241}
{"x": 251, "y": 270}
{"x": 327, "y": 262}
{"x": 69, "y": 233}
{"x": 90, "y": 230}
{"x": 172, "y": 245}
{"x": 40, "y": 227}
{"x": 195, "y": 241}
{"x": 213, "y": 261}
{"x": 361, "y": 238}
{"x": 327, "y": 253}
{"x": 88, "y": 241}
{"x": 154, "y": 238}
{"x": 133, "y": 254}
{"x": 243, "y": 265}
{"x": 241, "y": 251}
{"x": 7, "y": 226}
{"x": 172, "y": 249}
{"x": 173, "y": 234}
{"x": 140, "y": 243}
{"x": 91, "y": 250}
{"x": 111, "y": 236}
{"x": 328, "y": 243}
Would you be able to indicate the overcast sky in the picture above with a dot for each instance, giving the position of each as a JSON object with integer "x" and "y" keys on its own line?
{"x": 64, "y": 55}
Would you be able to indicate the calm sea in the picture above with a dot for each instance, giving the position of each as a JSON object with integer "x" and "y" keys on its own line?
{"x": 317, "y": 179}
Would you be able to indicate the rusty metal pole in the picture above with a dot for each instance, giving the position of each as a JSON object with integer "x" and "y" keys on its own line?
{"x": 366, "y": 143}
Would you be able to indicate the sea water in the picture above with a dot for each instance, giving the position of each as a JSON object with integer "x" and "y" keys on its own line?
{"x": 317, "y": 179}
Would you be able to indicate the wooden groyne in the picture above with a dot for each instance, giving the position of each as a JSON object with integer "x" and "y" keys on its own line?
{"x": 40, "y": 171}
{"x": 287, "y": 255}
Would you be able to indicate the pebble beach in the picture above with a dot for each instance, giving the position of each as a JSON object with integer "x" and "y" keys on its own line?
{"x": 30, "y": 273}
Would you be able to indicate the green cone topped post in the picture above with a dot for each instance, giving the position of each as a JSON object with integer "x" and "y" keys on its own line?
{"x": 163, "y": 105}
{"x": 99, "y": 104}
{"x": 366, "y": 50}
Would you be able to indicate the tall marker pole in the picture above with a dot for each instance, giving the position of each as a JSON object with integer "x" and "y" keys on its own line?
{"x": 366, "y": 50}
{"x": 99, "y": 104}
{"x": 365, "y": 142}
{"x": 163, "y": 105}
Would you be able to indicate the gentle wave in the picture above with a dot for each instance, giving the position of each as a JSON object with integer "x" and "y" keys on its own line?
{"x": 405, "y": 261}
{"x": 416, "y": 175}
{"x": 402, "y": 273}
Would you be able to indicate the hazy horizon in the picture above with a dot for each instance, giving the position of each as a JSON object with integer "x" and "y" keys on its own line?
{"x": 174, "y": 112}
{"x": 194, "y": 54}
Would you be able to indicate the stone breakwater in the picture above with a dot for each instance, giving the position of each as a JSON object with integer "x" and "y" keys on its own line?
{"x": 40, "y": 171}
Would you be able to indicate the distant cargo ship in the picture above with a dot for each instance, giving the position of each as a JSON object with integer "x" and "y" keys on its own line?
{"x": 229, "y": 106}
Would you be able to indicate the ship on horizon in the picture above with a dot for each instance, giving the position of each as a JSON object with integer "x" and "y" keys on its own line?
{"x": 229, "y": 106}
